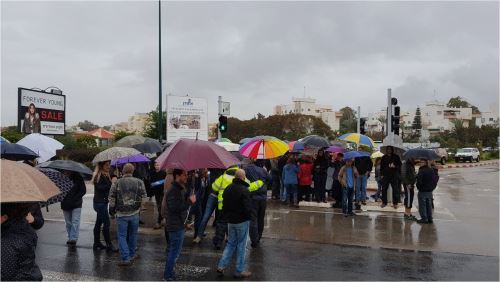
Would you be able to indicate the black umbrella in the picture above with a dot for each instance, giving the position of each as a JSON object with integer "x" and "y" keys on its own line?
{"x": 16, "y": 152}
{"x": 67, "y": 165}
{"x": 315, "y": 141}
{"x": 421, "y": 154}
{"x": 238, "y": 155}
{"x": 61, "y": 181}
{"x": 150, "y": 146}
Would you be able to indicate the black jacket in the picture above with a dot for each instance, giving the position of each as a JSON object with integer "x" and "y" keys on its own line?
{"x": 237, "y": 206}
{"x": 36, "y": 212}
{"x": 255, "y": 173}
{"x": 425, "y": 179}
{"x": 73, "y": 199}
{"x": 101, "y": 189}
{"x": 177, "y": 206}
{"x": 388, "y": 172}
{"x": 321, "y": 165}
{"x": 18, "y": 252}
{"x": 363, "y": 165}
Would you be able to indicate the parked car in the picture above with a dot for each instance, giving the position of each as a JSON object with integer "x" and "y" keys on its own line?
{"x": 488, "y": 149}
{"x": 443, "y": 155}
{"x": 467, "y": 154}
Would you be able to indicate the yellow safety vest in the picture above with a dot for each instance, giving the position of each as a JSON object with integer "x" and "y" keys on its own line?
{"x": 221, "y": 183}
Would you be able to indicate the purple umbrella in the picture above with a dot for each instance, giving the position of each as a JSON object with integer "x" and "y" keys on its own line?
{"x": 335, "y": 149}
{"x": 130, "y": 159}
{"x": 189, "y": 154}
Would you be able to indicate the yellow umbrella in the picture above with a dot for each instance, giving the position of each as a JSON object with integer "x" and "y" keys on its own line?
{"x": 377, "y": 154}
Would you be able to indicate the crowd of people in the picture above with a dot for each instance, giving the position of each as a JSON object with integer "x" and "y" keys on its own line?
{"x": 237, "y": 195}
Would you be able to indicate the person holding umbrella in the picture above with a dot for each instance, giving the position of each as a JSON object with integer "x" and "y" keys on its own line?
{"x": 72, "y": 206}
{"x": 390, "y": 167}
{"x": 408, "y": 178}
{"x": 102, "y": 185}
{"x": 320, "y": 168}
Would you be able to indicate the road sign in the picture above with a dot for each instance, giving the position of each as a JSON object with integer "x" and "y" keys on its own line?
{"x": 225, "y": 109}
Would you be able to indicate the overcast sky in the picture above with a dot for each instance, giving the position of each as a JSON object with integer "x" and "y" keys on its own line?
{"x": 104, "y": 55}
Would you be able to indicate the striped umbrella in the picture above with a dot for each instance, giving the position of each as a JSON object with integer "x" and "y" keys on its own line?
{"x": 264, "y": 147}
{"x": 359, "y": 139}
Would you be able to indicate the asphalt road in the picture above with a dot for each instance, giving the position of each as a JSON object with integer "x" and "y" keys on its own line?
{"x": 317, "y": 244}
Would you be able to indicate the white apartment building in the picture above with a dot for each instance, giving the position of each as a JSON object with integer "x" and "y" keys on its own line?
{"x": 488, "y": 118}
{"x": 308, "y": 106}
{"x": 437, "y": 117}
{"x": 137, "y": 122}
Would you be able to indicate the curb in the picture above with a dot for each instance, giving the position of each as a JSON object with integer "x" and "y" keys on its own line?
{"x": 468, "y": 165}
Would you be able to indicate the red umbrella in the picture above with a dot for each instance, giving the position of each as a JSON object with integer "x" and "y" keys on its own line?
{"x": 189, "y": 154}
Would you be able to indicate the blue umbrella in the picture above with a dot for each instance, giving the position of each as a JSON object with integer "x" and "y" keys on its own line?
{"x": 16, "y": 152}
{"x": 297, "y": 147}
{"x": 355, "y": 154}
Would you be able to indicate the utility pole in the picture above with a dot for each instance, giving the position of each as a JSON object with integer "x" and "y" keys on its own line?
{"x": 219, "y": 135}
{"x": 358, "y": 127}
{"x": 389, "y": 113}
{"x": 160, "y": 111}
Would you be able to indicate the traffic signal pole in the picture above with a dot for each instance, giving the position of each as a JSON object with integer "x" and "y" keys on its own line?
{"x": 389, "y": 113}
{"x": 219, "y": 135}
{"x": 358, "y": 129}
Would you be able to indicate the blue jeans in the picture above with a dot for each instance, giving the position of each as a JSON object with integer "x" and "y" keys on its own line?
{"x": 361, "y": 188}
{"x": 174, "y": 250}
{"x": 291, "y": 191}
{"x": 425, "y": 205}
{"x": 127, "y": 227}
{"x": 237, "y": 240}
{"x": 347, "y": 194}
{"x": 72, "y": 219}
{"x": 209, "y": 209}
{"x": 283, "y": 194}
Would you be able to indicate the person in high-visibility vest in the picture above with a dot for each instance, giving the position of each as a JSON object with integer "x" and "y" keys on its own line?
{"x": 218, "y": 186}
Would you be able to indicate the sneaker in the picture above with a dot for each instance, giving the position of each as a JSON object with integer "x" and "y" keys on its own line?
{"x": 244, "y": 274}
{"x": 412, "y": 217}
{"x": 124, "y": 263}
{"x": 197, "y": 240}
{"x": 421, "y": 221}
{"x": 430, "y": 221}
{"x": 383, "y": 205}
{"x": 220, "y": 272}
{"x": 135, "y": 257}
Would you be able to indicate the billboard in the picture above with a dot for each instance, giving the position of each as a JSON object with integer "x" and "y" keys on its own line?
{"x": 41, "y": 112}
{"x": 186, "y": 117}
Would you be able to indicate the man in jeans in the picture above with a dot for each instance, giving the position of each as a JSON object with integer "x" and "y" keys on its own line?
{"x": 125, "y": 198}
{"x": 177, "y": 204}
{"x": 237, "y": 211}
{"x": 426, "y": 183}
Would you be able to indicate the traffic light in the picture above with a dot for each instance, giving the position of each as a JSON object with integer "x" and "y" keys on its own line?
{"x": 222, "y": 124}
{"x": 395, "y": 120}
{"x": 362, "y": 124}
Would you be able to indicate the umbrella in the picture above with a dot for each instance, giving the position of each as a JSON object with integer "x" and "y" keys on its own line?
{"x": 16, "y": 152}
{"x": 114, "y": 153}
{"x": 3, "y": 140}
{"x": 223, "y": 140}
{"x": 149, "y": 146}
{"x": 61, "y": 181}
{"x": 357, "y": 138}
{"x": 264, "y": 147}
{"x": 67, "y": 165}
{"x": 421, "y": 154}
{"x": 315, "y": 141}
{"x": 23, "y": 183}
{"x": 377, "y": 154}
{"x": 335, "y": 149}
{"x": 238, "y": 155}
{"x": 244, "y": 140}
{"x": 355, "y": 154}
{"x": 398, "y": 150}
{"x": 296, "y": 146}
{"x": 44, "y": 146}
{"x": 130, "y": 159}
{"x": 129, "y": 141}
{"x": 229, "y": 146}
{"x": 189, "y": 154}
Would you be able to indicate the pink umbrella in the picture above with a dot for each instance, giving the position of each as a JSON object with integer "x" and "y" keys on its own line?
{"x": 335, "y": 149}
{"x": 189, "y": 154}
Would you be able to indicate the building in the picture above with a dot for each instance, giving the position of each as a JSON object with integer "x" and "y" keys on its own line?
{"x": 308, "y": 106}
{"x": 488, "y": 118}
{"x": 137, "y": 122}
{"x": 122, "y": 126}
{"x": 437, "y": 117}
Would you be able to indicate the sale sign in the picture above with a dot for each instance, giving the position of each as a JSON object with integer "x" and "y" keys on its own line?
{"x": 41, "y": 112}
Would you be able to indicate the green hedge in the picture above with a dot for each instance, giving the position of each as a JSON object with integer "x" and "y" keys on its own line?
{"x": 81, "y": 155}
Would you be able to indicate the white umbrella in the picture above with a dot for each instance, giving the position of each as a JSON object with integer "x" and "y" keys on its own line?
{"x": 114, "y": 153}
{"x": 44, "y": 146}
{"x": 231, "y": 147}
{"x": 395, "y": 142}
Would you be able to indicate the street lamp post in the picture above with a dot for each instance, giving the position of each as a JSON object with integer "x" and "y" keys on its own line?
{"x": 160, "y": 112}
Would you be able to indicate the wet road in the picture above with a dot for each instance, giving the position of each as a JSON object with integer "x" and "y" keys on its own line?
{"x": 317, "y": 244}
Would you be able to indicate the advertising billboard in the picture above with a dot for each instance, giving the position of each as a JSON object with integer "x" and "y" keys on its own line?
{"x": 41, "y": 112}
{"x": 186, "y": 117}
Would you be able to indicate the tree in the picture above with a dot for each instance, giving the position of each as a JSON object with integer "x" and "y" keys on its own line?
{"x": 120, "y": 134}
{"x": 87, "y": 125}
{"x": 348, "y": 121}
{"x": 69, "y": 142}
{"x": 153, "y": 124}
{"x": 12, "y": 134}
{"x": 459, "y": 102}
{"x": 87, "y": 141}
{"x": 417, "y": 123}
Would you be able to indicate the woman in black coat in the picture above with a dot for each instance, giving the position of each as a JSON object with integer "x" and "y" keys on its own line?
{"x": 72, "y": 206}
{"x": 321, "y": 164}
